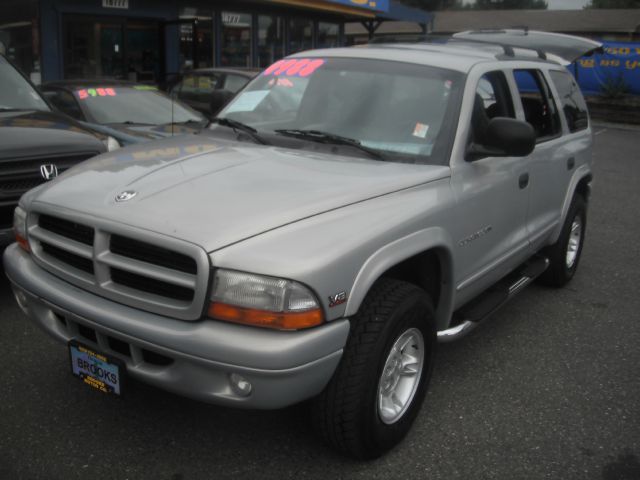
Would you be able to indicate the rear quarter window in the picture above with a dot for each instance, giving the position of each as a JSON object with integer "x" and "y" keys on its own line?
{"x": 573, "y": 104}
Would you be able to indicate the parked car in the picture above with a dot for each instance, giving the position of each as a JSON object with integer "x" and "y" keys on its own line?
{"x": 209, "y": 89}
{"x": 36, "y": 143}
{"x": 130, "y": 112}
{"x": 349, "y": 208}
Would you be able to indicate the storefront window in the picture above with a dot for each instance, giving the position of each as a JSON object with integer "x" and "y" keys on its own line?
{"x": 196, "y": 38}
{"x": 19, "y": 40}
{"x": 235, "y": 49}
{"x": 328, "y": 35}
{"x": 270, "y": 39}
{"x": 301, "y": 35}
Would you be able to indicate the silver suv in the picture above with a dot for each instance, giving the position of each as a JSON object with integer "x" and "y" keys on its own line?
{"x": 350, "y": 208}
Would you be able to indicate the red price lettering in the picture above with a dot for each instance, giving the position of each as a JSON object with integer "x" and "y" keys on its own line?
{"x": 299, "y": 65}
{"x": 110, "y": 91}
{"x": 273, "y": 67}
{"x": 311, "y": 67}
{"x": 285, "y": 66}
{"x": 101, "y": 92}
{"x": 294, "y": 67}
{"x": 82, "y": 94}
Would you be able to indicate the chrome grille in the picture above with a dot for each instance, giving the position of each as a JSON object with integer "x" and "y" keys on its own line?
{"x": 136, "y": 268}
{"x": 17, "y": 176}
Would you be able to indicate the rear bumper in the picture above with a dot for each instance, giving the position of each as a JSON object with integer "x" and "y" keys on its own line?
{"x": 194, "y": 359}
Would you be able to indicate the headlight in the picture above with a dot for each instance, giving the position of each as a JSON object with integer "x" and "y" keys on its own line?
{"x": 111, "y": 143}
{"x": 20, "y": 227}
{"x": 263, "y": 301}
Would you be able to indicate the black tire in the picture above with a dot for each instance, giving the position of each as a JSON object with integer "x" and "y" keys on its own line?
{"x": 346, "y": 413}
{"x": 560, "y": 272}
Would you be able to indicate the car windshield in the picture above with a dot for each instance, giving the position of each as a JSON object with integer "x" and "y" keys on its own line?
{"x": 135, "y": 105}
{"x": 16, "y": 93}
{"x": 403, "y": 111}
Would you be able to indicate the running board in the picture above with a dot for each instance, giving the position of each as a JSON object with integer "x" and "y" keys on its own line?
{"x": 469, "y": 316}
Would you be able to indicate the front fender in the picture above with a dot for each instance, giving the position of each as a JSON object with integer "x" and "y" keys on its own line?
{"x": 434, "y": 238}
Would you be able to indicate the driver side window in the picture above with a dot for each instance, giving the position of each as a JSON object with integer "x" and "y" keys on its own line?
{"x": 492, "y": 99}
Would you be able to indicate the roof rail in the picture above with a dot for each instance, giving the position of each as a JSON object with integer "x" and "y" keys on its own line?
{"x": 444, "y": 39}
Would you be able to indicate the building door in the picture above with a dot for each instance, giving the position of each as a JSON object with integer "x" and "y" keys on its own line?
{"x": 115, "y": 48}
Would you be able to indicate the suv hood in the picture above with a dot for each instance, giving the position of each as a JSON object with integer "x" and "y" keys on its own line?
{"x": 32, "y": 133}
{"x": 214, "y": 193}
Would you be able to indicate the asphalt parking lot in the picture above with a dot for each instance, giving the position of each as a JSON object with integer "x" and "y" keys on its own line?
{"x": 547, "y": 389}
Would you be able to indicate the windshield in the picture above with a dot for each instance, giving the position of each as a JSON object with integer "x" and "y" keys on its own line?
{"x": 16, "y": 93}
{"x": 141, "y": 105}
{"x": 404, "y": 111}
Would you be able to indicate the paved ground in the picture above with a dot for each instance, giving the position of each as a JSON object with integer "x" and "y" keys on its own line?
{"x": 548, "y": 389}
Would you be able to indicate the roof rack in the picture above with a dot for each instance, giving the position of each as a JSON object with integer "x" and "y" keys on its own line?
{"x": 508, "y": 49}
{"x": 443, "y": 39}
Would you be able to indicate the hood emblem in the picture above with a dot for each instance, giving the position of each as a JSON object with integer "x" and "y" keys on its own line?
{"x": 48, "y": 171}
{"x": 126, "y": 195}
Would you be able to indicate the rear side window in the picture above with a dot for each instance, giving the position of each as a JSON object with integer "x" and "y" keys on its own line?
{"x": 197, "y": 84}
{"x": 538, "y": 105}
{"x": 573, "y": 104}
{"x": 234, "y": 83}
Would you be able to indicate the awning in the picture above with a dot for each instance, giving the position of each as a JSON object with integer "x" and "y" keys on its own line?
{"x": 362, "y": 9}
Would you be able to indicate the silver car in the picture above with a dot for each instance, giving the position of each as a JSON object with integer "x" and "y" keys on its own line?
{"x": 346, "y": 211}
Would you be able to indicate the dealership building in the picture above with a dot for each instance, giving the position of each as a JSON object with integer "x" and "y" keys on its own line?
{"x": 151, "y": 40}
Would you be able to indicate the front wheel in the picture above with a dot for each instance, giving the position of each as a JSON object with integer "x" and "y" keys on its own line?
{"x": 564, "y": 255}
{"x": 378, "y": 388}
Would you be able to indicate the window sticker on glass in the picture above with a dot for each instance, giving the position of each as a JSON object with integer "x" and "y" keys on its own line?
{"x": 295, "y": 67}
{"x": 145, "y": 88}
{"x": 247, "y": 101}
{"x": 421, "y": 130}
{"x": 95, "y": 92}
{"x": 281, "y": 82}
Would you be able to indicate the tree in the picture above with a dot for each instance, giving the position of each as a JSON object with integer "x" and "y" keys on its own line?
{"x": 614, "y": 4}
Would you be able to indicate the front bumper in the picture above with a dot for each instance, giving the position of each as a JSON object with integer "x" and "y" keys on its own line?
{"x": 194, "y": 359}
{"x": 6, "y": 236}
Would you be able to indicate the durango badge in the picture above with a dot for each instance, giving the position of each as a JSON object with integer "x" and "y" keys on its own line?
{"x": 126, "y": 195}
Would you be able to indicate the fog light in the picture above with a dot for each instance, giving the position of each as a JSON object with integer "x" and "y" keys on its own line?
{"x": 21, "y": 298}
{"x": 240, "y": 385}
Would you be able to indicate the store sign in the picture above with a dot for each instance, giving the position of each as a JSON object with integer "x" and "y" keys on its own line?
{"x": 115, "y": 4}
{"x": 375, "y": 5}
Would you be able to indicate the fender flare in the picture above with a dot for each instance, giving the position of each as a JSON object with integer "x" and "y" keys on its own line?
{"x": 434, "y": 238}
{"x": 581, "y": 173}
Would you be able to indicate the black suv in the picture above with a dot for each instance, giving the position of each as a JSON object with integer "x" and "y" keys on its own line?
{"x": 36, "y": 144}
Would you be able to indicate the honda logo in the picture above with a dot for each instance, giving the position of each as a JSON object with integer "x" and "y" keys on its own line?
{"x": 49, "y": 171}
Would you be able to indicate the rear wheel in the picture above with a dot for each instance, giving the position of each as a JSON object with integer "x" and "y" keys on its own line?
{"x": 378, "y": 388}
{"x": 564, "y": 255}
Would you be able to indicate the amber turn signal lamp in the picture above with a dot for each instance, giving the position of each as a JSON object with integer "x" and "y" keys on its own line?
{"x": 264, "y": 318}
{"x": 23, "y": 243}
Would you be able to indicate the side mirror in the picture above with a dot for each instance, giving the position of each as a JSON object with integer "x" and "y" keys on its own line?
{"x": 504, "y": 137}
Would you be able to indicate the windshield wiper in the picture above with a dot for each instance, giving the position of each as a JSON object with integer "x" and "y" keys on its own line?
{"x": 253, "y": 133}
{"x": 326, "y": 137}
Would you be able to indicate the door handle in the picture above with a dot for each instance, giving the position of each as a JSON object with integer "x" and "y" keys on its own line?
{"x": 571, "y": 163}
{"x": 523, "y": 181}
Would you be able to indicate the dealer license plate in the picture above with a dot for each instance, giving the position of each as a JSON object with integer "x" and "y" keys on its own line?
{"x": 96, "y": 369}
